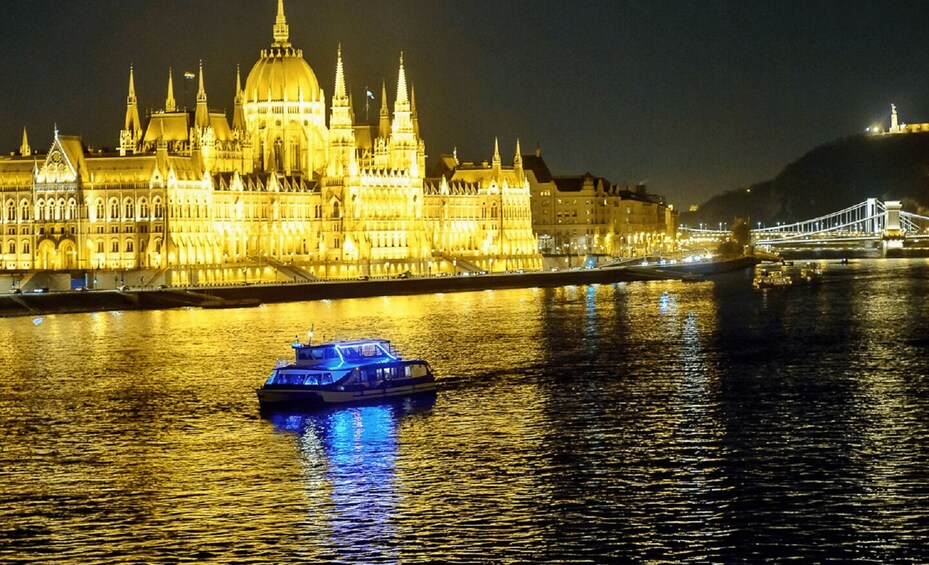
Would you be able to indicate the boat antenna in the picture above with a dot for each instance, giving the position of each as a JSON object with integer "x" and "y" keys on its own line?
{"x": 310, "y": 336}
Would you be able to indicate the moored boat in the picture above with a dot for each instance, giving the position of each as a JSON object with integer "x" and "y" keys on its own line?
{"x": 771, "y": 278}
{"x": 344, "y": 372}
{"x": 811, "y": 273}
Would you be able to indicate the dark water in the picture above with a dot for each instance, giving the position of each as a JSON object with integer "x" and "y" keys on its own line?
{"x": 647, "y": 422}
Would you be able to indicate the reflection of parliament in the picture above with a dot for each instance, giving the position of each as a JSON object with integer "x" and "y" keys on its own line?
{"x": 188, "y": 198}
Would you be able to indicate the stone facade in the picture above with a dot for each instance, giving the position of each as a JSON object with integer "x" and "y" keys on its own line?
{"x": 277, "y": 194}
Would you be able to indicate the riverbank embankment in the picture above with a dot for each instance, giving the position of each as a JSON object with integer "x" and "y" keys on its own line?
{"x": 40, "y": 304}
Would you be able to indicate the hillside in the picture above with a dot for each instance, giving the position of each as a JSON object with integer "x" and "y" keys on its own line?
{"x": 829, "y": 178}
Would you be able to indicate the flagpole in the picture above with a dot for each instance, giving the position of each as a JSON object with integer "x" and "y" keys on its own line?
{"x": 187, "y": 76}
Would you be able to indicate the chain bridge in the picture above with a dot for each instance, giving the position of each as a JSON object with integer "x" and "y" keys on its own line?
{"x": 868, "y": 223}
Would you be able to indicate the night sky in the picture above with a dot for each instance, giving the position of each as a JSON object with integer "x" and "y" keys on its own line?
{"x": 692, "y": 97}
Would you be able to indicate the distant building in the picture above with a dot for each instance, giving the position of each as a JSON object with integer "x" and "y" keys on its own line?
{"x": 277, "y": 194}
{"x": 571, "y": 216}
{"x": 481, "y": 214}
{"x": 588, "y": 215}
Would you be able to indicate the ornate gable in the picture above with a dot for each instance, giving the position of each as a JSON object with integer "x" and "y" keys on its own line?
{"x": 61, "y": 165}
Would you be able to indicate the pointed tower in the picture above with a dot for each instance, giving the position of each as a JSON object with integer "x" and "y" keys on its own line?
{"x": 132, "y": 106}
{"x": 170, "y": 103}
{"x": 402, "y": 122}
{"x": 383, "y": 129}
{"x": 518, "y": 162}
{"x": 341, "y": 130}
{"x": 238, "y": 113}
{"x": 497, "y": 163}
{"x": 24, "y": 149}
{"x": 351, "y": 105}
{"x": 413, "y": 111}
{"x": 132, "y": 130}
{"x": 403, "y": 145}
{"x": 281, "y": 29}
{"x": 202, "y": 114}
{"x": 339, "y": 78}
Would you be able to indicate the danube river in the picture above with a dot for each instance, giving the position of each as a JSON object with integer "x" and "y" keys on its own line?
{"x": 659, "y": 421}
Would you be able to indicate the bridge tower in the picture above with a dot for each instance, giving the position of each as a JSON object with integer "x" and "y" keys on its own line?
{"x": 871, "y": 212}
{"x": 892, "y": 238}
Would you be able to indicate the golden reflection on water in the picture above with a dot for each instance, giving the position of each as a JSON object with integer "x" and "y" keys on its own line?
{"x": 636, "y": 421}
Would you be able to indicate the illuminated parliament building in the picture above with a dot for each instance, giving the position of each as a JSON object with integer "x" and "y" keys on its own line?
{"x": 277, "y": 194}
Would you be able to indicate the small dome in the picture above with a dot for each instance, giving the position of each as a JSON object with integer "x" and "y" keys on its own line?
{"x": 284, "y": 71}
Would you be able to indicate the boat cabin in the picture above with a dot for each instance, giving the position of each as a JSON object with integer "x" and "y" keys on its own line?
{"x": 336, "y": 354}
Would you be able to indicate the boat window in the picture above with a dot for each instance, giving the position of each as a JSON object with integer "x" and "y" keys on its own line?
{"x": 351, "y": 354}
{"x": 417, "y": 370}
{"x": 285, "y": 378}
{"x": 311, "y": 380}
{"x": 308, "y": 354}
{"x": 408, "y": 371}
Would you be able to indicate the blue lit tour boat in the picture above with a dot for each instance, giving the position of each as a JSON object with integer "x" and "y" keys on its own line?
{"x": 344, "y": 372}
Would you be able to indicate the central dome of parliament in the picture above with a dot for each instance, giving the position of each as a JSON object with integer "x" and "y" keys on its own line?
{"x": 281, "y": 73}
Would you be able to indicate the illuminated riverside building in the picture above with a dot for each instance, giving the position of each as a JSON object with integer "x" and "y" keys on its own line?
{"x": 190, "y": 198}
{"x": 581, "y": 215}
{"x": 481, "y": 214}
{"x": 574, "y": 217}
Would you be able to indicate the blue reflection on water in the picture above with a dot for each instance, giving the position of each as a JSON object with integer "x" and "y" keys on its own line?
{"x": 350, "y": 454}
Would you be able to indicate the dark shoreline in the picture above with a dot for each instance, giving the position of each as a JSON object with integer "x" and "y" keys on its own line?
{"x": 32, "y": 304}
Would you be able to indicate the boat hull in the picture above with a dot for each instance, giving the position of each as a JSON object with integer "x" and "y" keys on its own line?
{"x": 310, "y": 397}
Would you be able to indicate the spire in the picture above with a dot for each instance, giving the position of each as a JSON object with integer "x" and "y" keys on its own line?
{"x": 24, "y": 149}
{"x": 401, "y": 84}
{"x": 281, "y": 29}
{"x": 238, "y": 113}
{"x": 351, "y": 105}
{"x": 201, "y": 92}
{"x": 413, "y": 111}
{"x": 339, "y": 77}
{"x": 497, "y": 163}
{"x": 384, "y": 126}
{"x": 133, "y": 124}
{"x": 170, "y": 103}
{"x": 202, "y": 114}
{"x": 239, "y": 93}
{"x": 518, "y": 160}
{"x": 341, "y": 117}
{"x": 402, "y": 122}
{"x": 131, "y": 98}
